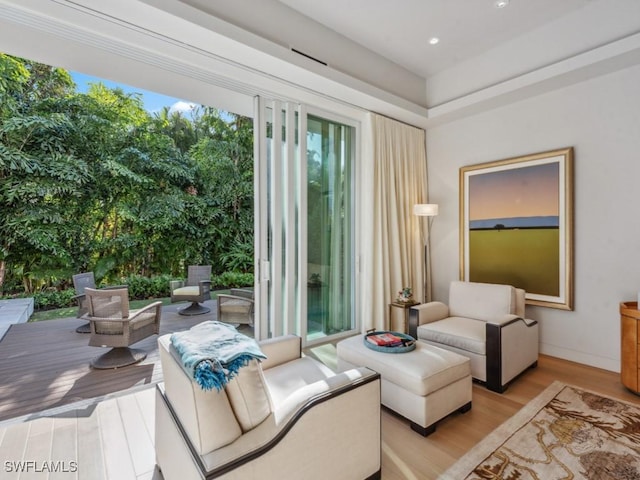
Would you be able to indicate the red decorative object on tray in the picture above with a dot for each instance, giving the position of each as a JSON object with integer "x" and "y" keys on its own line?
{"x": 386, "y": 339}
{"x": 389, "y": 342}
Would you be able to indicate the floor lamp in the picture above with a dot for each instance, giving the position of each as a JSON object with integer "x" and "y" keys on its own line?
{"x": 429, "y": 210}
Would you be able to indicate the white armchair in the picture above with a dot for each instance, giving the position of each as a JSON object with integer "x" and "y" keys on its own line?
{"x": 484, "y": 322}
{"x": 287, "y": 417}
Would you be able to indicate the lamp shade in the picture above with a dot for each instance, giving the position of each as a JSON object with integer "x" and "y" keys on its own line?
{"x": 425, "y": 209}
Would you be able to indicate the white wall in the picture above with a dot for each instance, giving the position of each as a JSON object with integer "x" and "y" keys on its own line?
{"x": 600, "y": 118}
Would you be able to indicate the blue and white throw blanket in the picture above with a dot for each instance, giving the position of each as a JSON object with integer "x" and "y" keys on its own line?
{"x": 213, "y": 352}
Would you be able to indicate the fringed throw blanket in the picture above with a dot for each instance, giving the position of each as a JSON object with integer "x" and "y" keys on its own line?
{"x": 213, "y": 352}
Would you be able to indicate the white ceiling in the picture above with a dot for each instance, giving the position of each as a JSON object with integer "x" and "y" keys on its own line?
{"x": 487, "y": 57}
{"x": 400, "y": 29}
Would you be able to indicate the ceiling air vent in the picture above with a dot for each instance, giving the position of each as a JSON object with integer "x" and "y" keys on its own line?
{"x": 309, "y": 56}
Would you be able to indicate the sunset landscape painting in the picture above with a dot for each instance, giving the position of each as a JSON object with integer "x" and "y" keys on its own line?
{"x": 514, "y": 225}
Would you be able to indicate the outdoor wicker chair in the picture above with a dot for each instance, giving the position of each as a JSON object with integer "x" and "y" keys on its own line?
{"x": 80, "y": 282}
{"x": 238, "y": 307}
{"x": 196, "y": 289}
{"x": 114, "y": 325}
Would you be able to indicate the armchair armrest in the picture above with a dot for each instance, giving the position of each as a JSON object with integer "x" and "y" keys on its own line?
{"x": 114, "y": 287}
{"x": 173, "y": 284}
{"x": 280, "y": 350}
{"x": 509, "y": 319}
{"x": 106, "y": 319}
{"x": 512, "y": 346}
{"x": 225, "y": 297}
{"x": 243, "y": 292}
{"x": 144, "y": 311}
{"x": 504, "y": 320}
{"x": 426, "y": 313}
{"x": 322, "y": 388}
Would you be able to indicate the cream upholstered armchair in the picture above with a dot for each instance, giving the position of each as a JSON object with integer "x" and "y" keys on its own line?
{"x": 114, "y": 325}
{"x": 484, "y": 322}
{"x": 196, "y": 290}
{"x": 287, "y": 417}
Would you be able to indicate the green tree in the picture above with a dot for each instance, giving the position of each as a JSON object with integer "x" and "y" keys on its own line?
{"x": 38, "y": 173}
{"x": 224, "y": 156}
{"x": 94, "y": 182}
{"x": 176, "y": 126}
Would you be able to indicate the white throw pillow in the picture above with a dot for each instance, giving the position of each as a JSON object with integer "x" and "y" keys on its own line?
{"x": 249, "y": 396}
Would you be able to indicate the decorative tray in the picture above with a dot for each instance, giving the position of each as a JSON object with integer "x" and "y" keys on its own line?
{"x": 389, "y": 342}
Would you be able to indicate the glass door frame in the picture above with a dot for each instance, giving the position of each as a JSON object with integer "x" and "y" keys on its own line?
{"x": 290, "y": 307}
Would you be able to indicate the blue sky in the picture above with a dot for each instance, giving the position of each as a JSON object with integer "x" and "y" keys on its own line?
{"x": 153, "y": 102}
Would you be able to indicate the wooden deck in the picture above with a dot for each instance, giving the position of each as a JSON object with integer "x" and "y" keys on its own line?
{"x": 45, "y": 365}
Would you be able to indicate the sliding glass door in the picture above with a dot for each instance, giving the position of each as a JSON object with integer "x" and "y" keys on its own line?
{"x": 305, "y": 251}
{"x": 329, "y": 225}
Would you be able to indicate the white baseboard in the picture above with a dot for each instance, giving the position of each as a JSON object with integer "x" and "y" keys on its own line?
{"x": 605, "y": 363}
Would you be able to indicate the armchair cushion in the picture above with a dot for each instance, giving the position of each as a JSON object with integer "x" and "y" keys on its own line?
{"x": 286, "y": 378}
{"x": 459, "y": 332}
{"x": 187, "y": 291}
{"x": 249, "y": 396}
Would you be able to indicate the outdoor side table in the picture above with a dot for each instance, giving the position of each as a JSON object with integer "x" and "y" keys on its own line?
{"x": 405, "y": 306}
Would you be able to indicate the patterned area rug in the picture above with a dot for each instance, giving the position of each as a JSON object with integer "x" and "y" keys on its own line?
{"x": 563, "y": 433}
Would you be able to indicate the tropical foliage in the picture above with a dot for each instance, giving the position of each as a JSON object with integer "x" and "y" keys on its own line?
{"x": 93, "y": 182}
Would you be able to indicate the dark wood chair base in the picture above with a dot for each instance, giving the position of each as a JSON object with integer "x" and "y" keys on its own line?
{"x": 118, "y": 357}
{"x": 194, "y": 309}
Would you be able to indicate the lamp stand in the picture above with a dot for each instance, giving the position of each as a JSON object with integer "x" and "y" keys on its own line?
{"x": 429, "y": 210}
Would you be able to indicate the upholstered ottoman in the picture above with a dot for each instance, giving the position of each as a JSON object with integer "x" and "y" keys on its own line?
{"x": 424, "y": 385}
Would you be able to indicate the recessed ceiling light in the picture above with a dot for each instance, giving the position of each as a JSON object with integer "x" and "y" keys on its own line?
{"x": 501, "y": 3}
{"x": 434, "y": 41}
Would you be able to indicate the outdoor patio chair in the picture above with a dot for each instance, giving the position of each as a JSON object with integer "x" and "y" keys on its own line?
{"x": 196, "y": 289}
{"x": 237, "y": 307}
{"x": 80, "y": 282}
{"x": 114, "y": 325}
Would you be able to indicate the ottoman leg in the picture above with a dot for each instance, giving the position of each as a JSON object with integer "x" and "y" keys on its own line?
{"x": 424, "y": 431}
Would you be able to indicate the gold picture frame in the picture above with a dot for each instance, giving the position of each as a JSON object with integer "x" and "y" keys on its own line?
{"x": 516, "y": 225}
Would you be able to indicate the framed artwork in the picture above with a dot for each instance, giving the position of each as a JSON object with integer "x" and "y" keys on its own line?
{"x": 516, "y": 225}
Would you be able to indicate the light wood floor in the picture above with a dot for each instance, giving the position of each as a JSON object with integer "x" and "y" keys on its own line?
{"x": 113, "y": 438}
{"x": 408, "y": 456}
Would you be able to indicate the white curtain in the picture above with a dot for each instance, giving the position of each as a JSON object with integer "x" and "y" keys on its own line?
{"x": 396, "y": 153}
